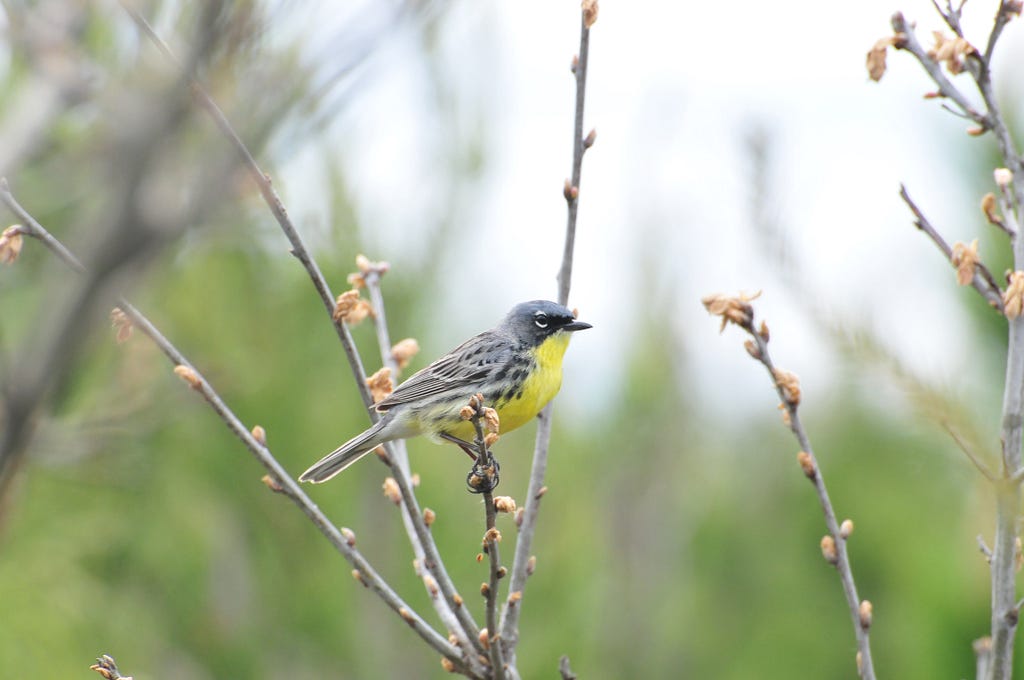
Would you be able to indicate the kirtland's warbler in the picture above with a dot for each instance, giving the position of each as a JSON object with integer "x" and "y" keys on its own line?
{"x": 517, "y": 366}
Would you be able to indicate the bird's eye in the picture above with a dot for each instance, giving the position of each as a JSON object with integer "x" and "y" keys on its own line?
{"x": 541, "y": 319}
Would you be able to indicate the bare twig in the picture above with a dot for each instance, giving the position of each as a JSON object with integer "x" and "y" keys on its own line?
{"x": 978, "y": 463}
{"x": 738, "y": 310}
{"x": 983, "y": 280}
{"x": 511, "y": 612}
{"x": 280, "y": 480}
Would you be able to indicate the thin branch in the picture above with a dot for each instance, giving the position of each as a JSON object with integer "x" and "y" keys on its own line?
{"x": 946, "y": 88}
{"x": 484, "y": 472}
{"x": 280, "y": 480}
{"x": 739, "y": 311}
{"x": 564, "y": 669}
{"x": 984, "y": 549}
{"x": 535, "y": 489}
{"x": 983, "y": 280}
{"x": 450, "y": 607}
{"x": 273, "y": 201}
{"x": 107, "y": 668}
{"x": 978, "y": 463}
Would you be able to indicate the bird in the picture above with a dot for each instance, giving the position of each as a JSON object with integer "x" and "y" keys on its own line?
{"x": 516, "y": 366}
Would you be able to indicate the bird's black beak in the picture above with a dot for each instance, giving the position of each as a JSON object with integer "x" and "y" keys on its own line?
{"x": 576, "y": 326}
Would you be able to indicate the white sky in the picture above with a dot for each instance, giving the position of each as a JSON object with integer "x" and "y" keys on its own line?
{"x": 673, "y": 88}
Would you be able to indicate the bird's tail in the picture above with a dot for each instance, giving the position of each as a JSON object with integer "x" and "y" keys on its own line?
{"x": 346, "y": 454}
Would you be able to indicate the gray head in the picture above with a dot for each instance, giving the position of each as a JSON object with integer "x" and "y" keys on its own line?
{"x": 534, "y": 321}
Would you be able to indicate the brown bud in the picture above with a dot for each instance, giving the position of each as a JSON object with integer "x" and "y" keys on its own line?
{"x": 350, "y": 536}
{"x": 391, "y": 490}
{"x": 490, "y": 439}
{"x": 428, "y": 516}
{"x": 976, "y": 131}
{"x": 259, "y": 434}
{"x": 380, "y": 384}
{"x": 467, "y": 412}
{"x": 589, "y": 140}
{"x": 11, "y": 243}
{"x": 807, "y": 464}
{"x": 404, "y": 350}
{"x": 271, "y": 483}
{"x": 752, "y": 349}
{"x": 122, "y": 324}
{"x": 491, "y": 420}
{"x": 1003, "y": 177}
{"x": 344, "y": 304}
{"x": 789, "y": 385}
{"x": 406, "y": 615}
{"x": 732, "y": 309}
{"x": 492, "y": 536}
{"x": 479, "y": 557}
{"x": 589, "y": 12}
{"x": 430, "y": 584}
{"x": 763, "y": 332}
{"x": 485, "y": 589}
{"x": 514, "y": 597}
{"x": 502, "y": 571}
{"x": 363, "y": 263}
{"x": 988, "y": 208}
{"x": 1013, "y": 296}
{"x": 965, "y": 257}
{"x": 457, "y": 600}
{"x": 358, "y": 575}
{"x": 447, "y": 664}
{"x": 845, "y": 529}
{"x": 356, "y": 280}
{"x": 519, "y": 517}
{"x": 505, "y": 504}
{"x": 485, "y": 638}
{"x": 188, "y": 375}
{"x": 541, "y": 491}
{"x": 876, "y": 58}
{"x": 828, "y": 549}
{"x": 415, "y": 479}
{"x": 865, "y": 612}
{"x": 531, "y": 565}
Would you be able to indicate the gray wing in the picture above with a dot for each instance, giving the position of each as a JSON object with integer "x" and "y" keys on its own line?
{"x": 466, "y": 366}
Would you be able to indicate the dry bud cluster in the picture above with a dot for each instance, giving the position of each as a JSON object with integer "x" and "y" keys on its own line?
{"x": 589, "y": 12}
{"x": 380, "y": 384}
{"x": 391, "y": 490}
{"x": 121, "y": 324}
{"x": 876, "y": 55}
{"x": 351, "y": 308}
{"x": 259, "y": 434}
{"x": 1013, "y": 296}
{"x": 953, "y": 51}
{"x": 366, "y": 266}
{"x": 965, "y": 257}
{"x": 505, "y": 504}
{"x": 403, "y": 352}
{"x": 733, "y": 309}
{"x": 11, "y": 242}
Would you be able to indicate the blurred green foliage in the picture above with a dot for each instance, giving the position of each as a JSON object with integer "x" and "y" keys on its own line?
{"x": 674, "y": 541}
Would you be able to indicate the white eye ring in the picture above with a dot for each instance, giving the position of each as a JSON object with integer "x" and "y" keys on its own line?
{"x": 541, "y": 319}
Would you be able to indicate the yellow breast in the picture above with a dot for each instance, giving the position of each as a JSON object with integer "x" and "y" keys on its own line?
{"x": 541, "y": 385}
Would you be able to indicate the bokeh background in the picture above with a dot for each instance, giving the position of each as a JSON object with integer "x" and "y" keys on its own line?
{"x": 740, "y": 146}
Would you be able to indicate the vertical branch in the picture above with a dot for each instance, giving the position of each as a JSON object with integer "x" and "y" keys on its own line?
{"x": 535, "y": 489}
{"x": 996, "y": 659}
{"x": 738, "y": 310}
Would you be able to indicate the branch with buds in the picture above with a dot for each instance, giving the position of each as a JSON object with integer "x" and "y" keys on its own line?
{"x": 737, "y": 310}
{"x": 522, "y": 561}
{"x": 482, "y": 479}
{"x": 1002, "y": 209}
